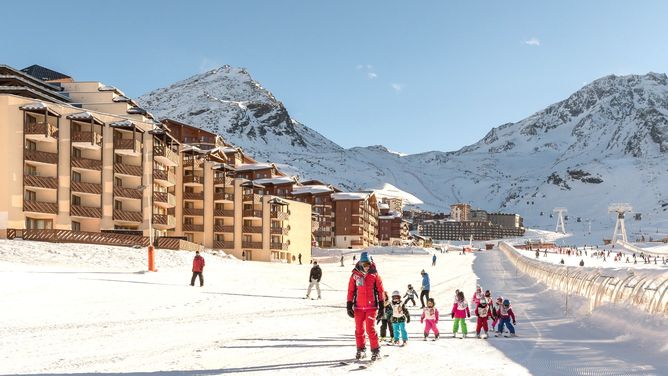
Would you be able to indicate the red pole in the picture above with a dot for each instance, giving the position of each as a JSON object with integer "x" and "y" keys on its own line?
{"x": 151, "y": 265}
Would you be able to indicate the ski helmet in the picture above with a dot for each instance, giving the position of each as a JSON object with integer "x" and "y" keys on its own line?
{"x": 499, "y": 299}
{"x": 506, "y": 302}
{"x": 396, "y": 293}
{"x": 483, "y": 303}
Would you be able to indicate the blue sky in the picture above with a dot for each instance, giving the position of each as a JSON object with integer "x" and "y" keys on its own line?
{"x": 413, "y": 76}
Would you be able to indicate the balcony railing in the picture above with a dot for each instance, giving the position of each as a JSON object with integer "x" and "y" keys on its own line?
{"x": 279, "y": 230}
{"x": 40, "y": 182}
{"x": 126, "y": 169}
{"x": 165, "y": 154}
{"x": 251, "y": 229}
{"x": 223, "y": 196}
{"x": 164, "y": 220}
{"x": 85, "y": 211}
{"x": 193, "y": 227}
{"x": 128, "y": 193}
{"x": 193, "y": 212}
{"x": 40, "y": 207}
{"x": 93, "y": 138}
{"x": 256, "y": 199}
{"x": 251, "y": 245}
{"x": 82, "y": 187}
{"x": 129, "y": 216}
{"x": 193, "y": 196}
{"x": 252, "y": 213}
{"x": 223, "y": 228}
{"x": 193, "y": 179}
{"x": 167, "y": 176}
{"x": 220, "y": 180}
{"x": 45, "y": 129}
{"x": 41, "y": 156}
{"x": 223, "y": 213}
{"x": 127, "y": 144}
{"x": 281, "y": 216}
{"x": 220, "y": 244}
{"x": 279, "y": 246}
{"x": 88, "y": 164}
{"x": 164, "y": 198}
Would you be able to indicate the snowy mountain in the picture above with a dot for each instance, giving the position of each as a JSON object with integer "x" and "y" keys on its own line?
{"x": 608, "y": 142}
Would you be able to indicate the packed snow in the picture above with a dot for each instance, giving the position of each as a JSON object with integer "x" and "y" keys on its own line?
{"x": 93, "y": 309}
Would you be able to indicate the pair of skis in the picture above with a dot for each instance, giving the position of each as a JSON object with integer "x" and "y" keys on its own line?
{"x": 362, "y": 363}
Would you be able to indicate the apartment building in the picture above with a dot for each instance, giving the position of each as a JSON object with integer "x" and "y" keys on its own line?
{"x": 464, "y": 230}
{"x": 356, "y": 219}
{"x": 319, "y": 196}
{"x": 393, "y": 229}
{"x": 460, "y": 212}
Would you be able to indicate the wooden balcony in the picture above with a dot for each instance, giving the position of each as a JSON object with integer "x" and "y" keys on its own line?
{"x": 278, "y": 246}
{"x": 128, "y": 193}
{"x": 41, "y": 132}
{"x": 219, "y": 244}
{"x": 223, "y": 196}
{"x": 223, "y": 228}
{"x": 251, "y": 245}
{"x": 163, "y": 221}
{"x": 223, "y": 213}
{"x": 279, "y": 230}
{"x": 193, "y": 228}
{"x": 323, "y": 233}
{"x": 254, "y": 198}
{"x": 193, "y": 212}
{"x": 164, "y": 199}
{"x": 88, "y": 164}
{"x": 126, "y": 169}
{"x": 193, "y": 180}
{"x": 252, "y": 213}
{"x": 165, "y": 155}
{"x": 91, "y": 140}
{"x": 40, "y": 182}
{"x": 227, "y": 181}
{"x": 90, "y": 188}
{"x": 164, "y": 177}
{"x": 85, "y": 211}
{"x": 281, "y": 216}
{"x": 128, "y": 216}
{"x": 127, "y": 145}
{"x": 41, "y": 156}
{"x": 40, "y": 207}
{"x": 193, "y": 196}
{"x": 251, "y": 229}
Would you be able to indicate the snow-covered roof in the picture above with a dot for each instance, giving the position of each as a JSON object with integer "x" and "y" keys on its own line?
{"x": 350, "y": 196}
{"x": 121, "y": 98}
{"x": 391, "y": 191}
{"x": 391, "y": 215}
{"x": 254, "y": 166}
{"x": 38, "y": 106}
{"x": 383, "y": 205}
{"x": 229, "y": 149}
{"x": 129, "y": 124}
{"x": 276, "y": 180}
{"x": 137, "y": 110}
{"x": 85, "y": 115}
{"x": 312, "y": 189}
{"x": 193, "y": 148}
{"x": 110, "y": 88}
{"x": 223, "y": 166}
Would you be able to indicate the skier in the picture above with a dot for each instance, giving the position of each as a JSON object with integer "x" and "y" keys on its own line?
{"x": 495, "y": 311}
{"x": 410, "y": 293}
{"x": 430, "y": 315}
{"x": 314, "y": 279}
{"x": 400, "y": 317}
{"x": 425, "y": 287}
{"x": 477, "y": 296}
{"x": 341, "y": 260}
{"x": 384, "y": 317}
{"x": 198, "y": 269}
{"x": 505, "y": 313}
{"x": 460, "y": 311}
{"x": 433, "y": 260}
{"x": 484, "y": 312}
{"x": 365, "y": 287}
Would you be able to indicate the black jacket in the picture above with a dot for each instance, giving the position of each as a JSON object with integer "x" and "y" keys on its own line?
{"x": 316, "y": 273}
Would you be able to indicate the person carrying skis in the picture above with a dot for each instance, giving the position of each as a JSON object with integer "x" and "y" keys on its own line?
{"x": 425, "y": 287}
{"x": 460, "y": 310}
{"x": 410, "y": 293}
{"x": 484, "y": 312}
{"x": 400, "y": 317}
{"x": 314, "y": 279}
{"x": 430, "y": 317}
{"x": 505, "y": 313}
{"x": 198, "y": 269}
{"x": 384, "y": 317}
{"x": 365, "y": 287}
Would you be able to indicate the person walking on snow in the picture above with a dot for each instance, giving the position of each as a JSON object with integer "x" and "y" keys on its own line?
{"x": 460, "y": 311}
{"x": 410, "y": 293}
{"x": 433, "y": 260}
{"x": 505, "y": 313}
{"x": 400, "y": 317}
{"x": 300, "y": 258}
{"x": 365, "y": 288}
{"x": 198, "y": 269}
{"x": 425, "y": 287}
{"x": 314, "y": 279}
{"x": 430, "y": 318}
{"x": 384, "y": 317}
{"x": 484, "y": 312}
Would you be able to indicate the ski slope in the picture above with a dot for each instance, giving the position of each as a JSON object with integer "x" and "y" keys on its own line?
{"x": 78, "y": 309}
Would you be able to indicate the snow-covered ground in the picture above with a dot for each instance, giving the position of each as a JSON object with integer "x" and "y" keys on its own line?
{"x": 73, "y": 309}
{"x": 593, "y": 258}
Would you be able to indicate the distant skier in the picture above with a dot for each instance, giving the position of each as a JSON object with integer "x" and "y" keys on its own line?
{"x": 425, "y": 287}
{"x": 410, "y": 293}
{"x": 314, "y": 279}
{"x": 300, "y": 258}
{"x": 400, "y": 317}
{"x": 582, "y": 262}
{"x": 433, "y": 260}
{"x": 365, "y": 287}
{"x": 430, "y": 318}
{"x": 460, "y": 311}
{"x": 198, "y": 269}
{"x": 341, "y": 260}
{"x": 505, "y": 313}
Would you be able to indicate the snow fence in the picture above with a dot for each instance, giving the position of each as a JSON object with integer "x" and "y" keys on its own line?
{"x": 644, "y": 289}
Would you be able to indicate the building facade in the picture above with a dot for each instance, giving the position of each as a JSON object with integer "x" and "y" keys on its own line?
{"x": 356, "y": 219}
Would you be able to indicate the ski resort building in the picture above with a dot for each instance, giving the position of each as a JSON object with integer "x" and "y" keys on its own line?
{"x": 356, "y": 219}
{"x": 319, "y": 196}
{"x": 393, "y": 229}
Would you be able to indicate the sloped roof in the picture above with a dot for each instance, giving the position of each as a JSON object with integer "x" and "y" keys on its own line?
{"x": 85, "y": 115}
{"x": 350, "y": 196}
{"x": 44, "y": 74}
{"x": 38, "y": 107}
{"x": 312, "y": 189}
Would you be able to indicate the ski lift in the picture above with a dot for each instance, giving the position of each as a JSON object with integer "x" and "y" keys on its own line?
{"x": 550, "y": 215}
{"x": 541, "y": 214}
{"x": 579, "y": 219}
{"x": 565, "y": 218}
{"x": 637, "y": 216}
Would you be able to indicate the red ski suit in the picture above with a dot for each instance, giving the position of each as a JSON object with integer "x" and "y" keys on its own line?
{"x": 198, "y": 264}
{"x": 484, "y": 314}
{"x": 365, "y": 291}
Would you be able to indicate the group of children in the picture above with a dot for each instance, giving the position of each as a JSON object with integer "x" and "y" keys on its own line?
{"x": 393, "y": 316}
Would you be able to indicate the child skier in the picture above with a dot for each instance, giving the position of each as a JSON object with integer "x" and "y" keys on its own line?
{"x": 410, "y": 293}
{"x": 505, "y": 313}
{"x": 430, "y": 315}
{"x": 400, "y": 317}
{"x": 495, "y": 311}
{"x": 460, "y": 311}
{"x": 384, "y": 317}
{"x": 484, "y": 312}
{"x": 477, "y": 296}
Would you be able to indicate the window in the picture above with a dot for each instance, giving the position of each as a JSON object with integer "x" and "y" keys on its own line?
{"x": 118, "y": 158}
{"x": 76, "y": 200}
{"x": 118, "y": 182}
{"x": 76, "y": 127}
{"x": 76, "y": 177}
{"x": 31, "y": 196}
{"x": 76, "y": 153}
{"x": 76, "y": 226}
{"x": 31, "y": 170}
{"x": 31, "y": 145}
{"x": 39, "y": 224}
{"x": 188, "y": 221}
{"x": 118, "y": 205}
{"x": 248, "y": 222}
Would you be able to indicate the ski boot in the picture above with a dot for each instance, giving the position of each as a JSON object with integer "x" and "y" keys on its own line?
{"x": 361, "y": 353}
{"x": 478, "y": 335}
{"x": 435, "y": 337}
{"x": 425, "y": 336}
{"x": 375, "y": 354}
{"x": 382, "y": 339}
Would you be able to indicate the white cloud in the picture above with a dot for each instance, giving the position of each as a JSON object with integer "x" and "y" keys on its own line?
{"x": 372, "y": 76}
{"x": 397, "y": 87}
{"x": 532, "y": 42}
{"x": 359, "y": 66}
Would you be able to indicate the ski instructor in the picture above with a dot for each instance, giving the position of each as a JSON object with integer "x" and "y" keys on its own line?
{"x": 365, "y": 289}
